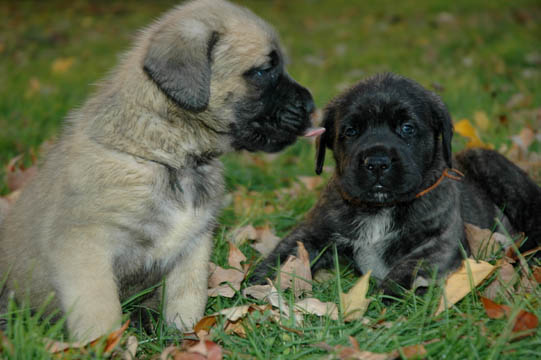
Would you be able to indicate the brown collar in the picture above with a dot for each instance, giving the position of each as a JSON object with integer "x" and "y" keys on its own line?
{"x": 444, "y": 174}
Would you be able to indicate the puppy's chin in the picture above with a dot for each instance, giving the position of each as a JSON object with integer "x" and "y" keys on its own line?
{"x": 263, "y": 136}
{"x": 375, "y": 196}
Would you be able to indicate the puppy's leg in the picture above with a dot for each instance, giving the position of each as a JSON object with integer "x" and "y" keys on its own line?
{"x": 88, "y": 293}
{"x": 437, "y": 255}
{"x": 311, "y": 235}
{"x": 509, "y": 187}
{"x": 186, "y": 286}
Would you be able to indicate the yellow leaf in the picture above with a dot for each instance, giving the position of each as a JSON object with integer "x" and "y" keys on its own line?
{"x": 481, "y": 120}
{"x": 62, "y": 65}
{"x": 463, "y": 281}
{"x": 355, "y": 303}
{"x": 466, "y": 129}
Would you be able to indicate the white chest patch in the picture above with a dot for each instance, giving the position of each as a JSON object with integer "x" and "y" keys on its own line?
{"x": 373, "y": 235}
{"x": 186, "y": 226}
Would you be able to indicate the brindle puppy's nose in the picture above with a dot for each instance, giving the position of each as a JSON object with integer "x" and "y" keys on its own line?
{"x": 377, "y": 164}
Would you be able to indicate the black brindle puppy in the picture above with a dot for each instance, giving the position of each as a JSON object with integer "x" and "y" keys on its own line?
{"x": 393, "y": 205}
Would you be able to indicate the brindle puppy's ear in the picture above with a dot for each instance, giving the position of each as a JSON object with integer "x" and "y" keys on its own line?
{"x": 444, "y": 124}
{"x": 325, "y": 140}
{"x": 180, "y": 65}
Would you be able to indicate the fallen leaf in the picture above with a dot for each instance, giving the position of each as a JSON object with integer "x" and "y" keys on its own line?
{"x": 131, "y": 348}
{"x": 202, "y": 350}
{"x": 518, "y": 100}
{"x": 524, "y": 321}
{"x": 236, "y": 257}
{"x": 62, "y": 65}
{"x": 314, "y": 306}
{"x": 205, "y": 324}
{"x": 258, "y": 292}
{"x": 414, "y": 351}
{"x": 34, "y": 86}
{"x": 354, "y": 303}
{"x": 218, "y": 275}
{"x": 17, "y": 175}
{"x": 295, "y": 272}
{"x": 108, "y": 342}
{"x": 524, "y": 139}
{"x": 266, "y": 240}
{"x": 506, "y": 278}
{"x": 209, "y": 349}
{"x": 244, "y": 233}
{"x": 232, "y": 277}
{"x": 494, "y": 310}
{"x": 6, "y": 347}
{"x": 465, "y": 128}
{"x": 354, "y": 352}
{"x": 536, "y": 271}
{"x": 483, "y": 242}
{"x": 481, "y": 120}
{"x": 458, "y": 284}
{"x": 311, "y": 182}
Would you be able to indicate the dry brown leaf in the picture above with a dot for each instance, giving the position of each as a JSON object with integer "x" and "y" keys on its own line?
{"x": 527, "y": 283}
{"x": 458, "y": 284}
{"x": 218, "y": 275}
{"x": 481, "y": 120}
{"x": 202, "y": 350}
{"x": 316, "y": 307}
{"x": 414, "y": 351}
{"x": 34, "y": 86}
{"x": 536, "y": 271}
{"x": 311, "y": 182}
{"x": 295, "y": 272}
{"x": 484, "y": 242}
{"x": 518, "y": 100}
{"x": 62, "y": 65}
{"x": 355, "y": 303}
{"x": 131, "y": 348}
{"x": 232, "y": 277}
{"x": 17, "y": 175}
{"x": 354, "y": 352}
{"x": 258, "y": 292}
{"x": 525, "y": 322}
{"x": 205, "y": 324}
{"x": 236, "y": 257}
{"x": 108, "y": 342}
{"x": 6, "y": 347}
{"x": 524, "y": 139}
{"x": 266, "y": 241}
{"x": 505, "y": 280}
{"x": 494, "y": 310}
{"x": 244, "y": 233}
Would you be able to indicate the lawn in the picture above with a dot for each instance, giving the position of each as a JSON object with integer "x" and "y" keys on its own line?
{"x": 483, "y": 58}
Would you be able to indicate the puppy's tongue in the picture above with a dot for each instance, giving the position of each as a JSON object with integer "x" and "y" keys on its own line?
{"x": 313, "y": 131}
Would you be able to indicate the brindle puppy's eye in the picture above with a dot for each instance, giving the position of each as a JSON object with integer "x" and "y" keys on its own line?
{"x": 350, "y": 132}
{"x": 407, "y": 129}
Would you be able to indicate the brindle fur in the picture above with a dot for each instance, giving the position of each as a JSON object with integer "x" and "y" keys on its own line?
{"x": 374, "y": 217}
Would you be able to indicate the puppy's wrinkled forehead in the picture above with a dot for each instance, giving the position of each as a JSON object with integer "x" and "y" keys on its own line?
{"x": 251, "y": 43}
{"x": 387, "y": 101}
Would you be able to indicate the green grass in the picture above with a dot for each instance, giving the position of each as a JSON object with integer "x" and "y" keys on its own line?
{"x": 477, "y": 54}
